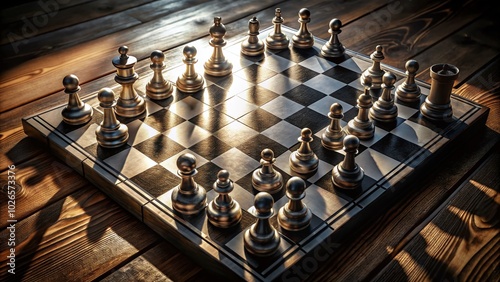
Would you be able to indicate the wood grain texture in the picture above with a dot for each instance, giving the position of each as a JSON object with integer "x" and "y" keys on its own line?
{"x": 462, "y": 242}
{"x": 42, "y": 181}
{"x": 77, "y": 238}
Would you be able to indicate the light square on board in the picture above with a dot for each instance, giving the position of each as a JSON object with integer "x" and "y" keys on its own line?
{"x": 282, "y": 107}
{"x": 188, "y": 107}
{"x": 236, "y": 162}
{"x": 187, "y": 134}
{"x": 235, "y": 133}
{"x": 280, "y": 84}
{"x": 324, "y": 84}
{"x": 130, "y": 162}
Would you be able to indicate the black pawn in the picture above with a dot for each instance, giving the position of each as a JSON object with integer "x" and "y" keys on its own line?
{"x": 333, "y": 48}
{"x": 304, "y": 160}
{"x": 188, "y": 198}
{"x": 76, "y": 112}
{"x": 409, "y": 91}
{"x": 266, "y": 178}
{"x": 333, "y": 137}
{"x": 384, "y": 109}
{"x": 223, "y": 211}
{"x": 262, "y": 239}
{"x": 347, "y": 174}
{"x": 295, "y": 215}
{"x": 110, "y": 133}
{"x": 374, "y": 72}
{"x": 303, "y": 38}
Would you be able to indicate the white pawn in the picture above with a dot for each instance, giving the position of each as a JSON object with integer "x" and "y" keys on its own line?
{"x": 304, "y": 160}
{"x": 110, "y": 133}
{"x": 190, "y": 81}
{"x": 303, "y": 38}
{"x": 223, "y": 211}
{"x": 158, "y": 88}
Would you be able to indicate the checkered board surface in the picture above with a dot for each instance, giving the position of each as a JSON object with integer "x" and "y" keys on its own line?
{"x": 264, "y": 103}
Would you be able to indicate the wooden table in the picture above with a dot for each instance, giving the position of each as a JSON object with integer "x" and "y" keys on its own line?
{"x": 446, "y": 228}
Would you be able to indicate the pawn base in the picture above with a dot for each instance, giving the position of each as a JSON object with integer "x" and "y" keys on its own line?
{"x": 407, "y": 95}
{"x": 362, "y": 132}
{"x": 77, "y": 116}
{"x": 302, "y": 41}
{"x": 332, "y": 142}
{"x": 190, "y": 85}
{"x": 271, "y": 183}
{"x": 130, "y": 107}
{"x": 294, "y": 221}
{"x": 277, "y": 41}
{"x": 347, "y": 179}
{"x": 218, "y": 68}
{"x": 112, "y": 138}
{"x": 224, "y": 218}
{"x": 189, "y": 204}
{"x": 330, "y": 51}
{"x": 383, "y": 114}
{"x": 375, "y": 76}
{"x": 159, "y": 91}
{"x": 260, "y": 247}
{"x": 302, "y": 165}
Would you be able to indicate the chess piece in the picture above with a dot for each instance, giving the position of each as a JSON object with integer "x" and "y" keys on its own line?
{"x": 362, "y": 126}
{"x": 217, "y": 64}
{"x": 262, "y": 239}
{"x": 295, "y": 215}
{"x": 188, "y": 198}
{"x": 76, "y": 112}
{"x": 384, "y": 108}
{"x": 253, "y": 46}
{"x": 303, "y": 38}
{"x": 190, "y": 81}
{"x": 347, "y": 174}
{"x": 437, "y": 105}
{"x": 276, "y": 39}
{"x": 409, "y": 91}
{"x": 158, "y": 88}
{"x": 110, "y": 133}
{"x": 304, "y": 160}
{"x": 266, "y": 178}
{"x": 333, "y": 137}
{"x": 375, "y": 72}
{"x": 333, "y": 48}
{"x": 129, "y": 103}
{"x": 223, "y": 211}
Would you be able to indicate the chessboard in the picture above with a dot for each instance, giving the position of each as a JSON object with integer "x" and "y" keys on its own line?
{"x": 264, "y": 103}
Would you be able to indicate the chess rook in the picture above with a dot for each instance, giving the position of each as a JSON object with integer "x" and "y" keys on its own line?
{"x": 333, "y": 137}
{"x": 262, "y": 239}
{"x": 303, "y": 38}
{"x": 304, "y": 160}
{"x": 362, "y": 126}
{"x": 347, "y": 174}
{"x": 76, "y": 111}
{"x": 110, "y": 133}
{"x": 129, "y": 103}
{"x": 437, "y": 105}
{"x": 217, "y": 64}
{"x": 190, "y": 81}
{"x": 384, "y": 109}
{"x": 276, "y": 39}
{"x": 188, "y": 198}
{"x": 333, "y": 48}
{"x": 253, "y": 46}
{"x": 158, "y": 88}
{"x": 223, "y": 211}
{"x": 375, "y": 72}
{"x": 295, "y": 215}
{"x": 266, "y": 178}
{"x": 409, "y": 91}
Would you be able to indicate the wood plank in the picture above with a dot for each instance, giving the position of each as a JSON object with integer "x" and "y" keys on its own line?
{"x": 40, "y": 22}
{"x": 90, "y": 29}
{"x": 462, "y": 242}
{"x": 89, "y": 59}
{"x": 370, "y": 247}
{"x": 77, "y": 238}
{"x": 41, "y": 181}
{"x": 468, "y": 54}
{"x": 408, "y": 28}
{"x": 163, "y": 262}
